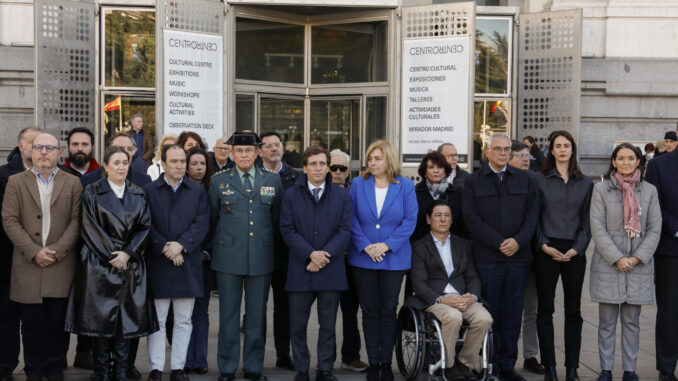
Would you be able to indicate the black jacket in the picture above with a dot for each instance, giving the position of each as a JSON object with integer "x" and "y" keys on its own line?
{"x": 102, "y": 294}
{"x": 14, "y": 165}
{"x": 453, "y": 196}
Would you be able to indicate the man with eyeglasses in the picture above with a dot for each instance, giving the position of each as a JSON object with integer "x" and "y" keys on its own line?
{"x": 221, "y": 156}
{"x": 40, "y": 214}
{"x": 501, "y": 209}
{"x": 450, "y": 152}
{"x": 245, "y": 203}
{"x": 520, "y": 156}
{"x": 271, "y": 153}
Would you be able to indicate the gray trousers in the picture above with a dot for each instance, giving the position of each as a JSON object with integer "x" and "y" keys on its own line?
{"x": 607, "y": 330}
{"x": 530, "y": 343}
{"x": 300, "y": 311}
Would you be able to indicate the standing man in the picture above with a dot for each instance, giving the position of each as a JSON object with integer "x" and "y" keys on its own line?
{"x": 180, "y": 222}
{"x": 670, "y": 141}
{"x": 40, "y": 213}
{"x": 520, "y": 158}
{"x": 315, "y": 221}
{"x": 143, "y": 139}
{"x": 501, "y": 209}
{"x": 350, "y": 347}
{"x": 450, "y": 152}
{"x": 80, "y": 145}
{"x": 245, "y": 203}
{"x": 662, "y": 173}
{"x": 221, "y": 156}
{"x": 18, "y": 161}
{"x": 271, "y": 152}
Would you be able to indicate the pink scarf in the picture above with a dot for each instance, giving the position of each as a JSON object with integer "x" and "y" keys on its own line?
{"x": 632, "y": 210}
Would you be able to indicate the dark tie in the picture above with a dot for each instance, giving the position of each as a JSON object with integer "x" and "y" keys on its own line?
{"x": 501, "y": 175}
{"x": 316, "y": 194}
{"x": 248, "y": 183}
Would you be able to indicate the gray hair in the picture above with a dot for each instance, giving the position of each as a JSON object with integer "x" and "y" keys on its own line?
{"x": 23, "y": 132}
{"x": 338, "y": 152}
{"x": 440, "y": 147}
{"x": 497, "y": 135}
{"x": 224, "y": 138}
{"x": 131, "y": 118}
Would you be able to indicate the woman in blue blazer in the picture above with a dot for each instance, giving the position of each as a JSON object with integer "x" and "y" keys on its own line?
{"x": 385, "y": 214}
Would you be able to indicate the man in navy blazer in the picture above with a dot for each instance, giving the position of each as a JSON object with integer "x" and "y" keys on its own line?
{"x": 180, "y": 216}
{"x": 662, "y": 172}
{"x": 501, "y": 210}
{"x": 315, "y": 222}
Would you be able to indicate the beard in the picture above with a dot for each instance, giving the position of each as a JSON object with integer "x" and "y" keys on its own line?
{"x": 80, "y": 159}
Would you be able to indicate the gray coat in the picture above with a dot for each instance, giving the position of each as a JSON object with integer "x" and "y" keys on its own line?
{"x": 607, "y": 284}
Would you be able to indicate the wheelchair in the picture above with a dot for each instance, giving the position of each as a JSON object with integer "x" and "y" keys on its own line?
{"x": 419, "y": 342}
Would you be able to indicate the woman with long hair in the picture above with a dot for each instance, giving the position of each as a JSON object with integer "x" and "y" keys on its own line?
{"x": 626, "y": 222}
{"x": 155, "y": 169}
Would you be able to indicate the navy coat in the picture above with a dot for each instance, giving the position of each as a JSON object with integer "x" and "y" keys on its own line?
{"x": 14, "y": 165}
{"x": 134, "y": 175}
{"x": 662, "y": 172}
{"x": 494, "y": 211}
{"x": 307, "y": 225}
{"x": 182, "y": 216}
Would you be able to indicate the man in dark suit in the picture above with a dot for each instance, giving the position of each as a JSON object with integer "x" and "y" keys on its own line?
{"x": 143, "y": 139}
{"x": 315, "y": 221}
{"x": 445, "y": 281}
{"x": 220, "y": 156}
{"x": 245, "y": 203}
{"x": 450, "y": 152}
{"x": 662, "y": 172}
{"x": 501, "y": 210}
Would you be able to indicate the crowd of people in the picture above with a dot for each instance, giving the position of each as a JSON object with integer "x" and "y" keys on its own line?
{"x": 134, "y": 247}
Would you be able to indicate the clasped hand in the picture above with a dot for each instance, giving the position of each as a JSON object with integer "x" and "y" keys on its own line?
{"x": 319, "y": 259}
{"x": 509, "y": 247}
{"x": 376, "y": 251}
{"x": 627, "y": 264}
{"x": 460, "y": 302}
{"x": 120, "y": 259}
{"x": 45, "y": 257}
{"x": 557, "y": 255}
{"x": 172, "y": 251}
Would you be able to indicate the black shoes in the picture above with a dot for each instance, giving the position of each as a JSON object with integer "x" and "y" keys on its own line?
{"x": 226, "y": 377}
{"x": 532, "y": 365}
{"x": 178, "y": 375}
{"x": 155, "y": 375}
{"x": 302, "y": 376}
{"x": 605, "y": 375}
{"x": 199, "y": 370}
{"x": 667, "y": 377}
{"x": 6, "y": 374}
{"x": 373, "y": 372}
{"x": 550, "y": 374}
{"x": 83, "y": 360}
{"x": 386, "y": 372}
{"x": 324, "y": 375}
{"x": 629, "y": 376}
{"x": 571, "y": 374}
{"x": 133, "y": 373}
{"x": 510, "y": 375}
{"x": 255, "y": 376}
{"x": 284, "y": 363}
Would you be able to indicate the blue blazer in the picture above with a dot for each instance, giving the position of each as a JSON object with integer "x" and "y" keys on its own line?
{"x": 306, "y": 226}
{"x": 394, "y": 227}
{"x": 662, "y": 172}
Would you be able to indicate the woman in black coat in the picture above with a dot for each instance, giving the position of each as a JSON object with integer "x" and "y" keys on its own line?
{"x": 434, "y": 171}
{"x": 109, "y": 299}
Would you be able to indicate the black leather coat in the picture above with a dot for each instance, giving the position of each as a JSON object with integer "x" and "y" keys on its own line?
{"x": 103, "y": 297}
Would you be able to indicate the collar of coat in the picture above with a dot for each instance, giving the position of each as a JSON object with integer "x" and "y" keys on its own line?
{"x": 102, "y": 186}
{"x": 509, "y": 169}
{"x": 160, "y": 182}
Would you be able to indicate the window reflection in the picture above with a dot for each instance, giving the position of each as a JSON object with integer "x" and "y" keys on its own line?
{"x": 129, "y": 51}
{"x": 492, "y": 55}
{"x": 490, "y": 116}
{"x": 244, "y": 112}
{"x": 117, "y": 113}
{"x": 286, "y": 117}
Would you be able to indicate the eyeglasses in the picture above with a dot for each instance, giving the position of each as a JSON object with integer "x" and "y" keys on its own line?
{"x": 338, "y": 167}
{"x": 452, "y": 156}
{"x": 271, "y": 145}
{"x": 501, "y": 149}
{"x": 523, "y": 156}
{"x": 48, "y": 148}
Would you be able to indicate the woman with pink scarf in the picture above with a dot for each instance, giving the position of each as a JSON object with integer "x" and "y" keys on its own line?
{"x": 625, "y": 225}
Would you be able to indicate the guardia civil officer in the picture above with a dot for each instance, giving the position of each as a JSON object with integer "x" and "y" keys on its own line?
{"x": 245, "y": 203}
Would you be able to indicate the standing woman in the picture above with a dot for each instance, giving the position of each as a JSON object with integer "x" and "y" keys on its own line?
{"x": 199, "y": 170}
{"x": 563, "y": 234}
{"x": 109, "y": 299}
{"x": 385, "y": 215}
{"x": 625, "y": 223}
{"x": 155, "y": 169}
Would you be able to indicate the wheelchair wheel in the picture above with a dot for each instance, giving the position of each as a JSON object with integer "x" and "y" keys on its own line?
{"x": 410, "y": 343}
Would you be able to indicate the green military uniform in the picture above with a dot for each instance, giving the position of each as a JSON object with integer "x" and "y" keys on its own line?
{"x": 243, "y": 221}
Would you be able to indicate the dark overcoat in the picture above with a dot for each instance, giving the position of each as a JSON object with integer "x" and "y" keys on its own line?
{"x": 662, "y": 172}
{"x": 307, "y": 225}
{"x": 181, "y": 216}
{"x": 102, "y": 294}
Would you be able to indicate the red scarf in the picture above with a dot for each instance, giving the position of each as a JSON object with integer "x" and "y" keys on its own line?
{"x": 632, "y": 210}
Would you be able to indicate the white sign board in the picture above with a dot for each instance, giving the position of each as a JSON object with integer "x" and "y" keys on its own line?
{"x": 435, "y": 96}
{"x": 193, "y": 84}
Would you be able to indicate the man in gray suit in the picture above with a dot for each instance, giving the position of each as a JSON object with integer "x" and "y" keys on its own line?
{"x": 444, "y": 279}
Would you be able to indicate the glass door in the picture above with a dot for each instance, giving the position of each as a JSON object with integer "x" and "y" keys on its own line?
{"x": 335, "y": 124}
{"x": 284, "y": 115}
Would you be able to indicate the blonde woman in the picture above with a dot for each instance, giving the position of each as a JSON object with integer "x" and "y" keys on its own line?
{"x": 384, "y": 217}
{"x": 155, "y": 169}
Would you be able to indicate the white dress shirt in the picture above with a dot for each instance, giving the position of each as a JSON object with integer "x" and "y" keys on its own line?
{"x": 445, "y": 252}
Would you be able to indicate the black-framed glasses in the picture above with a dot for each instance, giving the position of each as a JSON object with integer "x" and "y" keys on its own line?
{"x": 338, "y": 167}
{"x": 48, "y": 148}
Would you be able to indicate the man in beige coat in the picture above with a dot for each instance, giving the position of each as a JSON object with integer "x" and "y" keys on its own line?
{"x": 40, "y": 214}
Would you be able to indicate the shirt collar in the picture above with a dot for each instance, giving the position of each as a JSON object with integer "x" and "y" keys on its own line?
{"x": 447, "y": 239}
{"x": 45, "y": 181}
{"x": 252, "y": 172}
{"x": 311, "y": 187}
{"x": 282, "y": 166}
{"x": 495, "y": 171}
{"x": 170, "y": 185}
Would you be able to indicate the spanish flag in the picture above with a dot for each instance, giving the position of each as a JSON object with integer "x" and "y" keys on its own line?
{"x": 113, "y": 105}
{"x": 492, "y": 109}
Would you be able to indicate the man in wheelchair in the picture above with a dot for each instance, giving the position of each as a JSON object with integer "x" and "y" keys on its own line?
{"x": 445, "y": 281}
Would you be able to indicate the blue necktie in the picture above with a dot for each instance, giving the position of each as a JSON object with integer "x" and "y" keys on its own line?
{"x": 316, "y": 194}
{"x": 247, "y": 182}
{"x": 501, "y": 176}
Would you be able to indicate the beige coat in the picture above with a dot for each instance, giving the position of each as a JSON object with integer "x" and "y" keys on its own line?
{"x": 22, "y": 220}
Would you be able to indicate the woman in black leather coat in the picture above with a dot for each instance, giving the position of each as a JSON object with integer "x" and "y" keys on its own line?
{"x": 109, "y": 299}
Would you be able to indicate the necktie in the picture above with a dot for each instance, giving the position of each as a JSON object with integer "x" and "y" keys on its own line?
{"x": 316, "y": 194}
{"x": 501, "y": 176}
{"x": 247, "y": 182}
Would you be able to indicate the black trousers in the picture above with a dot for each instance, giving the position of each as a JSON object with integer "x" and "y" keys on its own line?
{"x": 572, "y": 273}
{"x": 378, "y": 292}
{"x": 300, "y": 310}
{"x": 281, "y": 313}
{"x": 9, "y": 331}
{"x": 350, "y": 348}
{"x": 666, "y": 329}
{"x": 45, "y": 341}
{"x": 114, "y": 348}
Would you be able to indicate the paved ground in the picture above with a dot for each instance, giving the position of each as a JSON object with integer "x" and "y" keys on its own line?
{"x": 589, "y": 362}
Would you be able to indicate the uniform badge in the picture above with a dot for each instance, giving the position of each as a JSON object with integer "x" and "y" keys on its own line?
{"x": 227, "y": 193}
{"x": 221, "y": 186}
{"x": 267, "y": 191}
